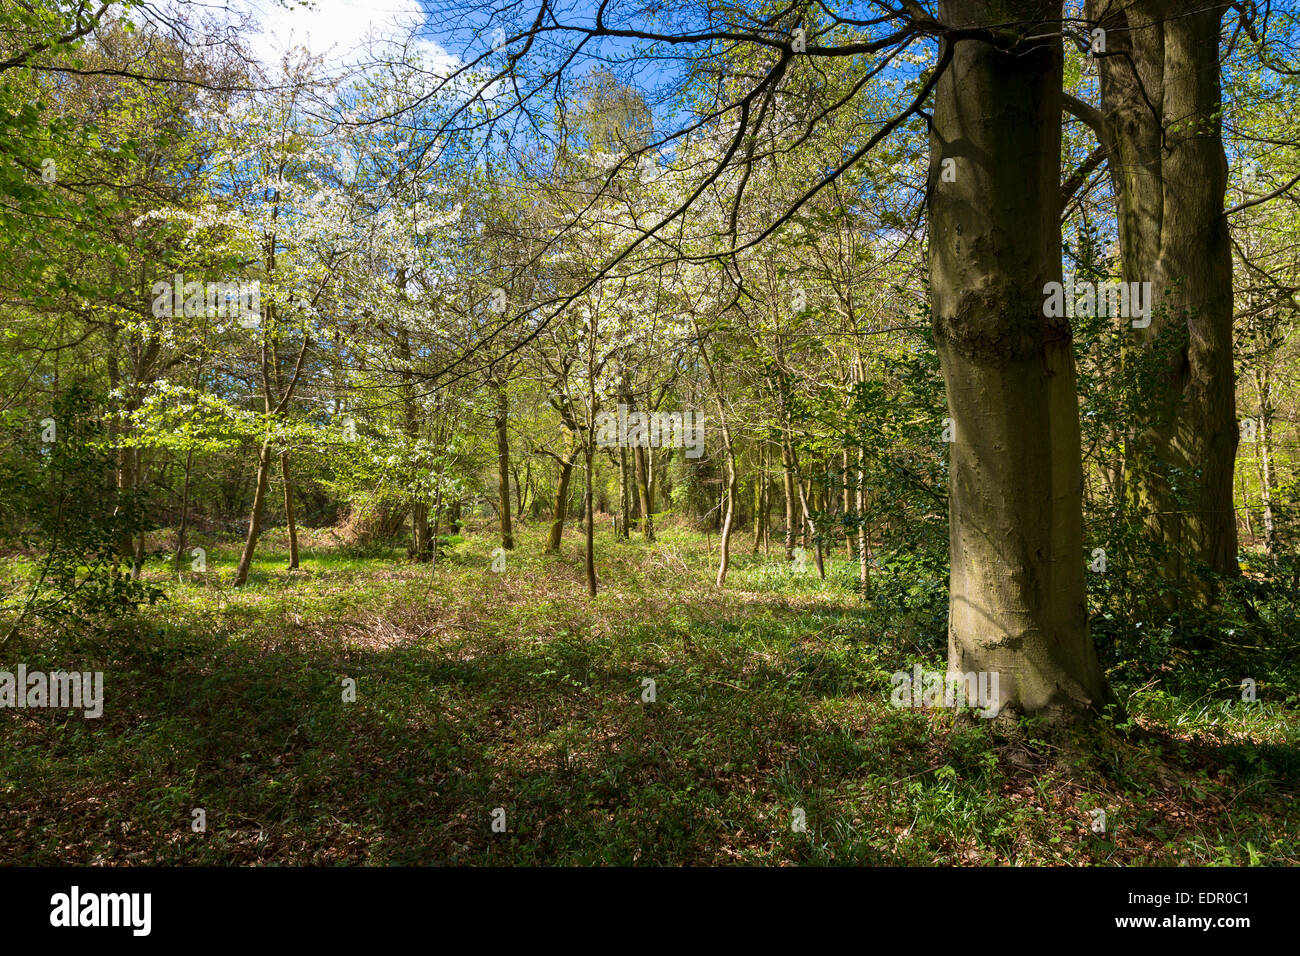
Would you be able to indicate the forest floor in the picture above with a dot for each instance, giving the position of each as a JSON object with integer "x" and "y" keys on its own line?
{"x": 478, "y": 690}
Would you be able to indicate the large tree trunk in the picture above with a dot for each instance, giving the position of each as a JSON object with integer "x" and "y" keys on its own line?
{"x": 1161, "y": 103}
{"x": 1016, "y": 598}
{"x": 255, "y": 519}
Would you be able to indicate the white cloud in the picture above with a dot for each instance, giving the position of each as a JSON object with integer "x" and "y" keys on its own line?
{"x": 347, "y": 34}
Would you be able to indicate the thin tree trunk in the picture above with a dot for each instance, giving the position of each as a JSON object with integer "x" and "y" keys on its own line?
{"x": 137, "y": 556}
{"x": 126, "y": 489}
{"x": 846, "y": 505}
{"x": 624, "y": 493}
{"x": 728, "y": 520}
{"x": 420, "y": 543}
{"x": 864, "y": 539}
{"x": 767, "y": 515}
{"x": 643, "y": 489}
{"x": 255, "y": 519}
{"x": 811, "y": 537}
{"x": 652, "y": 471}
{"x": 864, "y": 530}
{"x": 503, "y": 466}
{"x": 787, "y": 476}
{"x": 1264, "y": 447}
{"x": 1245, "y": 504}
{"x": 523, "y": 490}
{"x": 289, "y": 519}
{"x": 561, "y": 508}
{"x": 437, "y": 523}
{"x": 589, "y": 558}
{"x": 182, "y": 530}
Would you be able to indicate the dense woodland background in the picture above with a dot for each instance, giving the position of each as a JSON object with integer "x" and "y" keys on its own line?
{"x": 826, "y": 234}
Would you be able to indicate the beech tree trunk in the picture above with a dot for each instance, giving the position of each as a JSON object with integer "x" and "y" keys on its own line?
{"x": 1161, "y": 127}
{"x": 1016, "y": 599}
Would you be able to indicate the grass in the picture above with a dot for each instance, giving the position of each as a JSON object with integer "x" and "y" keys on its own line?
{"x": 478, "y": 690}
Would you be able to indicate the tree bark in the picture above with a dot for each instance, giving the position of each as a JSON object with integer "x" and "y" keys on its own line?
{"x": 1264, "y": 440}
{"x": 183, "y": 529}
{"x": 846, "y": 504}
{"x": 624, "y": 494}
{"x": 728, "y": 519}
{"x": 589, "y": 556}
{"x": 421, "y": 544}
{"x": 560, "y": 511}
{"x": 503, "y": 466}
{"x": 787, "y": 477}
{"x": 1016, "y": 597}
{"x": 1160, "y": 124}
{"x": 864, "y": 539}
{"x": 255, "y": 519}
{"x": 289, "y": 520}
{"x": 643, "y": 490}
